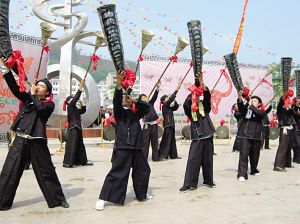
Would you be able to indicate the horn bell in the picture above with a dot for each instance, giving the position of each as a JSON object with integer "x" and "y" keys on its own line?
{"x": 181, "y": 44}
{"x": 271, "y": 69}
{"x": 99, "y": 40}
{"x": 47, "y": 30}
{"x": 205, "y": 49}
{"x": 147, "y": 35}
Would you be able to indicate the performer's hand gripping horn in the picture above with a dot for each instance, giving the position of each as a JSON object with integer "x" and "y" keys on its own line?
{"x": 47, "y": 30}
{"x": 99, "y": 40}
{"x": 270, "y": 70}
{"x": 147, "y": 35}
{"x": 181, "y": 44}
{"x": 110, "y": 26}
{"x": 286, "y": 68}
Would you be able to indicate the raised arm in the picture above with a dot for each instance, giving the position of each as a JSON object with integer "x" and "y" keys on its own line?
{"x": 154, "y": 97}
{"x": 118, "y": 96}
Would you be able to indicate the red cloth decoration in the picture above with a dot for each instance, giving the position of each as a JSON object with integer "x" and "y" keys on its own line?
{"x": 95, "y": 58}
{"x": 67, "y": 124}
{"x": 231, "y": 110}
{"x": 160, "y": 105}
{"x": 129, "y": 79}
{"x": 262, "y": 107}
{"x": 273, "y": 123}
{"x": 287, "y": 100}
{"x": 291, "y": 83}
{"x": 21, "y": 73}
{"x": 108, "y": 121}
{"x": 140, "y": 58}
{"x": 158, "y": 121}
{"x": 196, "y": 91}
{"x": 294, "y": 101}
{"x": 174, "y": 59}
{"x": 47, "y": 49}
{"x": 133, "y": 108}
{"x": 191, "y": 63}
{"x": 222, "y": 122}
{"x": 266, "y": 81}
{"x": 65, "y": 105}
{"x": 246, "y": 92}
{"x": 48, "y": 100}
{"x": 188, "y": 119}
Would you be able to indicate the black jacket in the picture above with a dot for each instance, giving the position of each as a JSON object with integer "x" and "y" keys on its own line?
{"x": 74, "y": 113}
{"x": 33, "y": 115}
{"x": 297, "y": 117}
{"x": 250, "y": 128}
{"x": 128, "y": 129}
{"x": 167, "y": 111}
{"x": 285, "y": 116}
{"x": 203, "y": 127}
{"x": 152, "y": 115}
{"x": 238, "y": 116}
{"x": 266, "y": 120}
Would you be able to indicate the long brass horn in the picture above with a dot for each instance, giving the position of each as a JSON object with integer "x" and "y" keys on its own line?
{"x": 99, "y": 41}
{"x": 181, "y": 44}
{"x": 147, "y": 36}
{"x": 47, "y": 29}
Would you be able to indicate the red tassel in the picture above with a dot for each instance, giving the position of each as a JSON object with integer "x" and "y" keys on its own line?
{"x": 266, "y": 81}
{"x": 191, "y": 63}
{"x": 222, "y": 122}
{"x": 65, "y": 104}
{"x": 129, "y": 79}
{"x": 94, "y": 58}
{"x": 48, "y": 100}
{"x": 294, "y": 101}
{"x": 133, "y": 108}
{"x": 158, "y": 121}
{"x": 173, "y": 59}
{"x": 246, "y": 93}
{"x": 262, "y": 107}
{"x": 291, "y": 83}
{"x": 196, "y": 91}
{"x": 160, "y": 105}
{"x": 21, "y": 73}
{"x": 140, "y": 58}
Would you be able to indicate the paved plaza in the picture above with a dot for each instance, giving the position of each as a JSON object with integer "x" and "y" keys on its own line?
{"x": 273, "y": 197}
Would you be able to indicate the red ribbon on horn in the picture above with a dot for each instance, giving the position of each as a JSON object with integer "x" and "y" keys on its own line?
{"x": 173, "y": 59}
{"x": 191, "y": 63}
{"x": 47, "y": 49}
{"x": 291, "y": 83}
{"x": 129, "y": 79}
{"x": 266, "y": 81}
{"x": 246, "y": 93}
{"x": 140, "y": 58}
{"x": 21, "y": 73}
{"x": 94, "y": 58}
{"x": 196, "y": 91}
{"x": 287, "y": 100}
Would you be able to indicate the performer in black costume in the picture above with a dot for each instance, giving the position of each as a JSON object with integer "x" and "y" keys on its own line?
{"x": 128, "y": 153}
{"x": 296, "y": 141}
{"x": 266, "y": 129}
{"x": 30, "y": 136}
{"x": 150, "y": 130}
{"x": 168, "y": 142}
{"x": 75, "y": 153}
{"x": 202, "y": 146}
{"x": 238, "y": 116}
{"x": 250, "y": 134}
{"x": 286, "y": 121}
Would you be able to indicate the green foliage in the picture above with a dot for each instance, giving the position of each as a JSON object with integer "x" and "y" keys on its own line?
{"x": 103, "y": 66}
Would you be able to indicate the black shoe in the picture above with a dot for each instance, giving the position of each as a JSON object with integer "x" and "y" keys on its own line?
{"x": 88, "y": 164}
{"x": 178, "y": 157}
{"x": 184, "y": 189}
{"x": 267, "y": 148}
{"x": 210, "y": 186}
{"x": 215, "y": 154}
{"x": 290, "y": 166}
{"x": 67, "y": 166}
{"x": 280, "y": 169}
{"x": 162, "y": 159}
{"x": 64, "y": 204}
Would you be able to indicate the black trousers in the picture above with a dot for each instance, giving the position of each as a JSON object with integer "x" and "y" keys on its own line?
{"x": 150, "y": 134}
{"x": 284, "y": 152}
{"x": 296, "y": 146}
{"x": 115, "y": 184}
{"x": 200, "y": 154}
{"x": 265, "y": 137}
{"x": 75, "y": 153}
{"x": 249, "y": 148}
{"x": 42, "y": 166}
{"x": 237, "y": 144}
{"x": 168, "y": 144}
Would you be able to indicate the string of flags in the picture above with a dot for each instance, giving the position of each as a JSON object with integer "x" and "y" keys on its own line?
{"x": 128, "y": 8}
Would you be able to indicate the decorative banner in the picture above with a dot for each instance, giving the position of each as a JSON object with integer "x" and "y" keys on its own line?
{"x": 239, "y": 36}
{"x": 222, "y": 99}
{"x": 31, "y": 51}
